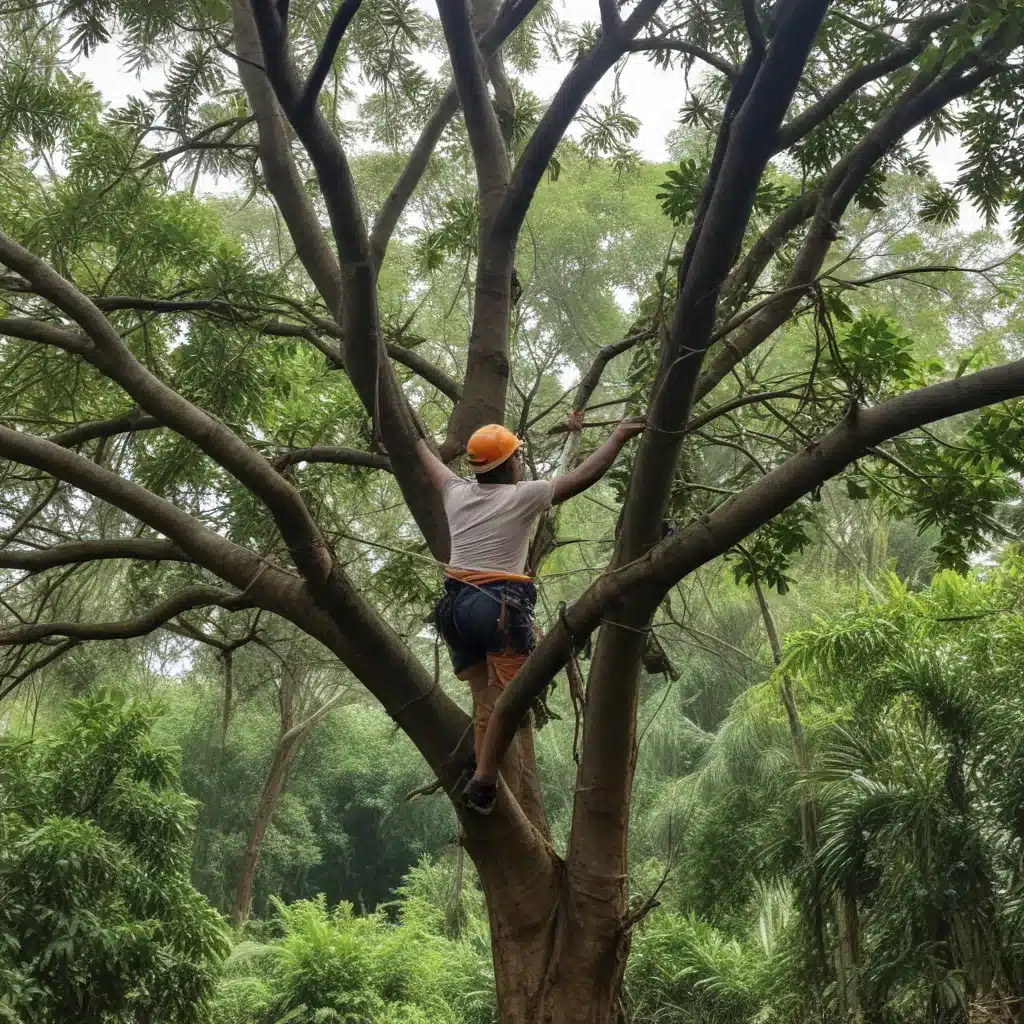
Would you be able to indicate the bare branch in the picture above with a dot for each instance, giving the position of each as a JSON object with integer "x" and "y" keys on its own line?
{"x": 92, "y": 430}
{"x": 325, "y": 58}
{"x": 424, "y": 368}
{"x": 143, "y": 549}
{"x": 330, "y": 453}
{"x": 408, "y": 357}
{"x": 696, "y": 422}
{"x": 185, "y": 600}
{"x": 745, "y": 274}
{"x": 48, "y": 659}
{"x": 691, "y": 49}
{"x": 30, "y": 513}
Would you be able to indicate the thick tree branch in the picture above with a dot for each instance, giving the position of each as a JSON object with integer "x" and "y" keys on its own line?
{"x": 367, "y": 646}
{"x": 510, "y": 17}
{"x": 45, "y": 333}
{"x": 610, "y": 20}
{"x": 755, "y": 30}
{"x": 805, "y": 122}
{"x": 185, "y": 600}
{"x": 225, "y": 559}
{"x": 143, "y": 549}
{"x": 564, "y": 106}
{"x": 349, "y": 290}
{"x": 109, "y": 354}
{"x": 929, "y": 92}
{"x": 485, "y": 138}
{"x": 279, "y": 170}
{"x": 647, "y": 579}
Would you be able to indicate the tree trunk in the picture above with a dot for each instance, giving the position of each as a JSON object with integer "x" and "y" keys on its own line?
{"x": 287, "y": 748}
{"x": 849, "y": 957}
{"x": 559, "y": 945}
{"x": 808, "y": 807}
{"x": 225, "y": 715}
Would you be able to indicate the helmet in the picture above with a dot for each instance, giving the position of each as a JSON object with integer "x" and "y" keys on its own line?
{"x": 490, "y": 446}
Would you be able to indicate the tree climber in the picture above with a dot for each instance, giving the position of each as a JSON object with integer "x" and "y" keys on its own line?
{"x": 486, "y": 613}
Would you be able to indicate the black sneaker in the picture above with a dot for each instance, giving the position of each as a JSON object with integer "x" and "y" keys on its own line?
{"x": 479, "y": 796}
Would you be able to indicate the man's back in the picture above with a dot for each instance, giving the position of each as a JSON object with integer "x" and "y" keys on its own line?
{"x": 490, "y": 523}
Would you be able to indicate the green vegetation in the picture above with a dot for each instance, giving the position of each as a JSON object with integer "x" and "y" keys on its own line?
{"x": 908, "y": 905}
{"x": 777, "y": 759}
{"x": 99, "y": 918}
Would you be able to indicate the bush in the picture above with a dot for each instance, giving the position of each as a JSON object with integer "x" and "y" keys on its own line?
{"x": 95, "y": 845}
{"x": 331, "y": 966}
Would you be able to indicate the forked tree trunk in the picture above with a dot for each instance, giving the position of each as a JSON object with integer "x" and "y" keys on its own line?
{"x": 287, "y": 748}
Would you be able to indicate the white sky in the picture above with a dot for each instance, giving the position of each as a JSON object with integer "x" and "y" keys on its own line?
{"x": 653, "y": 95}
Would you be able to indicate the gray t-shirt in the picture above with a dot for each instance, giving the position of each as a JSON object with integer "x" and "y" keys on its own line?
{"x": 490, "y": 523}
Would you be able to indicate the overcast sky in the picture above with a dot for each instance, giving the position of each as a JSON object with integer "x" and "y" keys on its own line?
{"x": 653, "y": 95}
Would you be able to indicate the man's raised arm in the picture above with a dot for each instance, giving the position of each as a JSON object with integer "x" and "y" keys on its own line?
{"x": 589, "y": 472}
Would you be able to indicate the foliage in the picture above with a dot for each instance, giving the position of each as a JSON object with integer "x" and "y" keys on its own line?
{"x": 912, "y": 716}
{"x": 333, "y": 965}
{"x": 100, "y": 921}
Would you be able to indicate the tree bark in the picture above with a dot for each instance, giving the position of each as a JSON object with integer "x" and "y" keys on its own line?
{"x": 559, "y": 947}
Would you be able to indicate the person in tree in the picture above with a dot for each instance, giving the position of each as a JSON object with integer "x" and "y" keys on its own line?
{"x": 485, "y": 615}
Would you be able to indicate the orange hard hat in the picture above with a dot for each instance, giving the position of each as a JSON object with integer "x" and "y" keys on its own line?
{"x": 490, "y": 446}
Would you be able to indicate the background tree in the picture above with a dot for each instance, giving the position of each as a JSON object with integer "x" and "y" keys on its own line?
{"x": 165, "y": 378}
